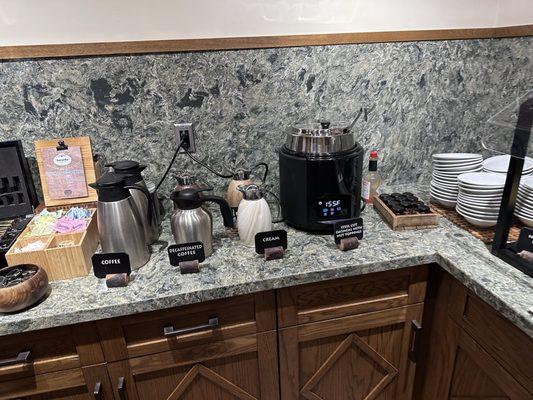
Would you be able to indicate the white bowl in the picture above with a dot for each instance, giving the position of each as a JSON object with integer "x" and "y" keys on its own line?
{"x": 482, "y": 179}
{"x": 487, "y": 193}
{"x": 456, "y": 156}
{"x": 479, "y": 223}
{"x": 478, "y": 203}
{"x": 454, "y": 168}
{"x": 479, "y": 208}
{"x": 475, "y": 214}
{"x": 443, "y": 196}
{"x": 526, "y": 221}
{"x": 500, "y": 164}
{"x": 446, "y": 203}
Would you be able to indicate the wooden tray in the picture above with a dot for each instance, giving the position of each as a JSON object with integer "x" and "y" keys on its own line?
{"x": 486, "y": 235}
{"x": 405, "y": 222}
{"x": 59, "y": 262}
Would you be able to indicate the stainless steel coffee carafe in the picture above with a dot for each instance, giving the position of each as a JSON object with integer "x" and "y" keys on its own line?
{"x": 191, "y": 223}
{"x": 132, "y": 171}
{"x": 120, "y": 225}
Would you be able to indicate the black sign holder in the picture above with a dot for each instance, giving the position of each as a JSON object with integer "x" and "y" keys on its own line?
{"x": 114, "y": 267}
{"x": 187, "y": 256}
{"x": 271, "y": 244}
{"x": 347, "y": 233}
{"x": 500, "y": 246}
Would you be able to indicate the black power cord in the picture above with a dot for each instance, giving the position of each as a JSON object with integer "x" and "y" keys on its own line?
{"x": 206, "y": 166}
{"x": 170, "y": 165}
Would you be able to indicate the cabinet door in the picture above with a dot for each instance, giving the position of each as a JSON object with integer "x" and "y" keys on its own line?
{"x": 368, "y": 356}
{"x": 476, "y": 375}
{"x": 88, "y": 383}
{"x": 243, "y": 368}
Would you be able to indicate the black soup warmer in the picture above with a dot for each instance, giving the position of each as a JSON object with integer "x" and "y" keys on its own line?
{"x": 321, "y": 167}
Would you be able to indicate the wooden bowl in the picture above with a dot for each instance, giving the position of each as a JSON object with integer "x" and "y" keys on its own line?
{"x": 26, "y": 293}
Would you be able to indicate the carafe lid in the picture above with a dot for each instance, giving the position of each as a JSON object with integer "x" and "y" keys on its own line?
{"x": 111, "y": 187}
{"x": 185, "y": 179}
{"x": 130, "y": 168}
{"x": 188, "y": 199}
{"x": 251, "y": 192}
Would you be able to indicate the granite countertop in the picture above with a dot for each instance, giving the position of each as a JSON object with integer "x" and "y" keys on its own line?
{"x": 234, "y": 269}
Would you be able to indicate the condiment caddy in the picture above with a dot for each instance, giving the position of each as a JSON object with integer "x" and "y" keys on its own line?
{"x": 61, "y": 255}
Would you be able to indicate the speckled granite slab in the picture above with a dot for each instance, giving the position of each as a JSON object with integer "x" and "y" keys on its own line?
{"x": 235, "y": 269}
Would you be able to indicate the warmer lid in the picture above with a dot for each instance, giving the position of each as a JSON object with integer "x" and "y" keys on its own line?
{"x": 320, "y": 138}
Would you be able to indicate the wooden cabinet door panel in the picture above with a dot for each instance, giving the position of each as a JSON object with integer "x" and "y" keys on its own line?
{"x": 362, "y": 357}
{"x": 237, "y": 369}
{"x": 75, "y": 384}
{"x": 477, "y": 375}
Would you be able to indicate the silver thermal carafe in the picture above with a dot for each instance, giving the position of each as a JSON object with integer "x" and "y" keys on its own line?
{"x": 191, "y": 223}
{"x": 119, "y": 222}
{"x": 132, "y": 171}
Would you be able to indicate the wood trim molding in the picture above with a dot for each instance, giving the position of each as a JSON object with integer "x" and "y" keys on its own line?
{"x": 257, "y": 42}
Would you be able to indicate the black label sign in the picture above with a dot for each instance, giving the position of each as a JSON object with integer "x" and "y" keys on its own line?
{"x": 347, "y": 229}
{"x": 525, "y": 241}
{"x": 264, "y": 240}
{"x": 111, "y": 263}
{"x": 186, "y": 252}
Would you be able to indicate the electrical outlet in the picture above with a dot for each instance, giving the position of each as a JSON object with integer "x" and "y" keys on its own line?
{"x": 185, "y": 131}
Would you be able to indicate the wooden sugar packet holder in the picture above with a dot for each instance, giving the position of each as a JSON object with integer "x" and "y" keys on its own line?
{"x": 59, "y": 262}
{"x": 405, "y": 222}
{"x": 70, "y": 261}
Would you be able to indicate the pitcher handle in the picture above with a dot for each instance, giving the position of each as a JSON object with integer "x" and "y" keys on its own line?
{"x": 148, "y": 197}
{"x": 278, "y": 217}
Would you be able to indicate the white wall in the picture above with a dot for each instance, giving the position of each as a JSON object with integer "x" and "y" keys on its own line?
{"x": 26, "y": 22}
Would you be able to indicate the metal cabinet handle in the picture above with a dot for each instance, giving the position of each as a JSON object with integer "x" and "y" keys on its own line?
{"x": 211, "y": 324}
{"x": 121, "y": 388}
{"x": 97, "y": 391}
{"x": 415, "y": 340}
{"x": 21, "y": 358}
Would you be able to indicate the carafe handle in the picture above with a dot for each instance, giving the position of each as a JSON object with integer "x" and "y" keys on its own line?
{"x": 148, "y": 196}
{"x": 225, "y": 209}
{"x": 278, "y": 217}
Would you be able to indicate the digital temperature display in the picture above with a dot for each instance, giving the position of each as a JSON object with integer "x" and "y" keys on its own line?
{"x": 333, "y": 207}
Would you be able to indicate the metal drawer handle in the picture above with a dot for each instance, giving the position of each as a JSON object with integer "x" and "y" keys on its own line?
{"x": 21, "y": 358}
{"x": 415, "y": 341}
{"x": 97, "y": 391}
{"x": 121, "y": 388}
{"x": 211, "y": 324}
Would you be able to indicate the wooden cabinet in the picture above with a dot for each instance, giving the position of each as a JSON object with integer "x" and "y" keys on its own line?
{"x": 87, "y": 383}
{"x": 242, "y": 368}
{"x": 357, "y": 357}
{"x": 351, "y": 338}
{"x": 471, "y": 351}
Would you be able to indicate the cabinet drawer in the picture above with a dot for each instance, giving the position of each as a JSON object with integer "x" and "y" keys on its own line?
{"x": 512, "y": 348}
{"x": 78, "y": 383}
{"x": 165, "y": 330}
{"x": 49, "y": 350}
{"x": 351, "y": 296}
{"x": 244, "y": 367}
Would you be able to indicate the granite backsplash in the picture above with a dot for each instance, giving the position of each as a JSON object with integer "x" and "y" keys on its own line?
{"x": 418, "y": 98}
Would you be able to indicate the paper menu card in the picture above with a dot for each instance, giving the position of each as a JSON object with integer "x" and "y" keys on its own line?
{"x": 64, "y": 172}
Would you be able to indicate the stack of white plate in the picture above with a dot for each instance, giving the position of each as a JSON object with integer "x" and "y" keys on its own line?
{"x": 480, "y": 196}
{"x": 500, "y": 165}
{"x": 446, "y": 168}
{"x": 524, "y": 201}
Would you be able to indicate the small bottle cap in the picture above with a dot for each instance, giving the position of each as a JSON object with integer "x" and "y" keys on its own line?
{"x": 373, "y": 154}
